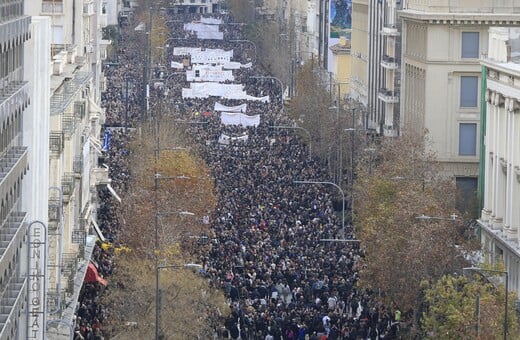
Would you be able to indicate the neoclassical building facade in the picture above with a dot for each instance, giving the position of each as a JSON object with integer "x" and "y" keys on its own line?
{"x": 500, "y": 185}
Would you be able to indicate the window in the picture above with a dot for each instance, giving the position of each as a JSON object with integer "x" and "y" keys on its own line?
{"x": 470, "y": 45}
{"x": 468, "y": 91}
{"x": 57, "y": 34}
{"x": 467, "y": 199}
{"x": 467, "y": 139}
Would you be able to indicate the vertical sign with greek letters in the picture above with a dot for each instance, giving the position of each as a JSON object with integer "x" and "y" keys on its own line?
{"x": 36, "y": 281}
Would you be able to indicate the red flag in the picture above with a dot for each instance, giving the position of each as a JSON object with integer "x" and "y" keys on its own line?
{"x": 92, "y": 275}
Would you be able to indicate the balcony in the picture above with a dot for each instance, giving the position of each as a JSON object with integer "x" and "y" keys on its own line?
{"x": 12, "y": 234}
{"x": 13, "y": 166}
{"x": 100, "y": 176}
{"x": 390, "y": 63}
{"x": 388, "y": 96}
{"x": 52, "y": 7}
{"x": 390, "y": 30}
{"x": 88, "y": 8}
{"x": 77, "y": 165}
{"x": 67, "y": 186}
{"x": 68, "y": 125}
{"x": 79, "y": 109}
{"x": 56, "y": 142}
{"x": 11, "y": 301}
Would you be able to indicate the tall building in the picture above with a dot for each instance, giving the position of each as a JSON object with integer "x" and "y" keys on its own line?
{"x": 14, "y": 99}
{"x": 375, "y": 78}
{"x": 69, "y": 98}
{"x": 500, "y": 121}
{"x": 442, "y": 42}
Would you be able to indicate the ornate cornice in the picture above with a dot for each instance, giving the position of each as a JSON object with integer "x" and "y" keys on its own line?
{"x": 472, "y": 18}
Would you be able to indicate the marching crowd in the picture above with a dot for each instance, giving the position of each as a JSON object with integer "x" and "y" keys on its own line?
{"x": 281, "y": 279}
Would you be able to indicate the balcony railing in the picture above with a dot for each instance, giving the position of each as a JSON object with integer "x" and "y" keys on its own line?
{"x": 56, "y": 142}
{"x": 79, "y": 110}
{"x": 388, "y": 96}
{"x": 77, "y": 165}
{"x": 67, "y": 186}
{"x": 68, "y": 125}
{"x": 389, "y": 62}
{"x": 54, "y": 209}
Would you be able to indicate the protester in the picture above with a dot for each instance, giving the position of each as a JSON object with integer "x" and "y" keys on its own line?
{"x": 281, "y": 280}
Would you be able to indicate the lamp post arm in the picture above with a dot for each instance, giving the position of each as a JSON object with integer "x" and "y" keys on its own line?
{"x": 506, "y": 287}
{"x": 342, "y": 195}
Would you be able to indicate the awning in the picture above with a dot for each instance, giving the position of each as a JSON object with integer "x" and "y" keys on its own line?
{"x": 113, "y": 192}
{"x": 95, "y": 144}
{"x": 140, "y": 27}
{"x": 98, "y": 231}
{"x": 92, "y": 275}
{"x": 94, "y": 107}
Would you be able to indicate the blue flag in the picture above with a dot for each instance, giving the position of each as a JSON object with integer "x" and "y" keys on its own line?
{"x": 106, "y": 141}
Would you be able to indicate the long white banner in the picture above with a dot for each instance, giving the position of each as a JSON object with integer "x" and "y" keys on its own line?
{"x": 235, "y": 65}
{"x": 200, "y": 27}
{"x": 185, "y": 50}
{"x": 176, "y": 65}
{"x": 211, "y": 57}
{"x": 227, "y": 91}
{"x": 225, "y": 139}
{"x": 234, "y": 118}
{"x": 208, "y": 35}
{"x": 211, "y": 21}
{"x": 213, "y": 75}
{"x": 239, "y": 108}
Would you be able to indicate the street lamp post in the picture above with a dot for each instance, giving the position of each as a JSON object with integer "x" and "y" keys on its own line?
{"x": 342, "y": 195}
{"x": 158, "y": 294}
{"x": 452, "y": 218}
{"x": 279, "y": 82}
{"x": 352, "y": 157}
{"x": 158, "y": 177}
{"x": 296, "y": 128}
{"x": 503, "y": 272}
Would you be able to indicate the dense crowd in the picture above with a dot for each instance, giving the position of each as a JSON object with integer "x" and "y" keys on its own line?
{"x": 282, "y": 281}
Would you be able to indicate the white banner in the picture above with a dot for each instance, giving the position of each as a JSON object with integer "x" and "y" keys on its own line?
{"x": 211, "y": 21}
{"x": 225, "y": 139}
{"x": 264, "y": 99}
{"x": 218, "y": 76}
{"x": 235, "y": 65}
{"x": 240, "y": 108}
{"x": 177, "y": 65}
{"x": 200, "y": 27}
{"x": 185, "y": 50}
{"x": 211, "y": 57}
{"x": 210, "y": 35}
{"x": 233, "y": 118}
{"x": 227, "y": 91}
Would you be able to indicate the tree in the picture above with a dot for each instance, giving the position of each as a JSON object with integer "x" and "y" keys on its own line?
{"x": 458, "y": 308}
{"x": 402, "y": 183}
{"x": 190, "y": 304}
{"x": 242, "y": 11}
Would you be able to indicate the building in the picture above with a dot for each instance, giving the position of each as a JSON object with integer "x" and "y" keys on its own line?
{"x": 341, "y": 62}
{"x": 70, "y": 81}
{"x": 441, "y": 79}
{"x": 376, "y": 63}
{"x": 14, "y": 156}
{"x": 500, "y": 121}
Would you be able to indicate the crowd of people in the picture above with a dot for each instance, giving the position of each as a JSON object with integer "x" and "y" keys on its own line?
{"x": 282, "y": 281}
